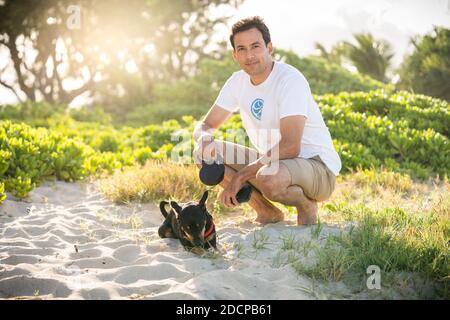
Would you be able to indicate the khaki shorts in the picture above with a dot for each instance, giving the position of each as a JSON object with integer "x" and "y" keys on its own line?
{"x": 312, "y": 175}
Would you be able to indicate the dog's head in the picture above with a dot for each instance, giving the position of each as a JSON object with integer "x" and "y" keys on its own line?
{"x": 192, "y": 218}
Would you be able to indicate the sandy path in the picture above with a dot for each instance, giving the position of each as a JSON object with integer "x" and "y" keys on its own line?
{"x": 68, "y": 241}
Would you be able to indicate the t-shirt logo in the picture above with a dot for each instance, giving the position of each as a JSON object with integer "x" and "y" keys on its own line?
{"x": 257, "y": 107}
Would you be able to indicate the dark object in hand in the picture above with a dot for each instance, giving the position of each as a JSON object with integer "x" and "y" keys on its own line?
{"x": 213, "y": 173}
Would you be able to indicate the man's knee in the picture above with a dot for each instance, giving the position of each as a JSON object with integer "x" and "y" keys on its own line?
{"x": 270, "y": 183}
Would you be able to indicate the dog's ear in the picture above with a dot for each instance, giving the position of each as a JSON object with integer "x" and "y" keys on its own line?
{"x": 162, "y": 208}
{"x": 203, "y": 199}
{"x": 176, "y": 207}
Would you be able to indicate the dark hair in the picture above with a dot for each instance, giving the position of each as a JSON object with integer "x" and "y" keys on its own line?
{"x": 247, "y": 24}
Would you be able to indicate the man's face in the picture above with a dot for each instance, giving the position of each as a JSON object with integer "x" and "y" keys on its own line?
{"x": 251, "y": 52}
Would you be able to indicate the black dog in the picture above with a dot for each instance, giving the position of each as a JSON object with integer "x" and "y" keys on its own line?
{"x": 191, "y": 223}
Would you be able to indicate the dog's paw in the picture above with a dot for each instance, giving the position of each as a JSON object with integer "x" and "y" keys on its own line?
{"x": 198, "y": 251}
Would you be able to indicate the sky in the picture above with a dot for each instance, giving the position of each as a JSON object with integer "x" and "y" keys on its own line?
{"x": 299, "y": 24}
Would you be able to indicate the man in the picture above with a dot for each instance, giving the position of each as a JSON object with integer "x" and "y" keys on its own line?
{"x": 296, "y": 168}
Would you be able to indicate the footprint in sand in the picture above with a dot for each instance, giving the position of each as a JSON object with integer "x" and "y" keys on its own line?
{"x": 4, "y": 245}
{"x": 87, "y": 253}
{"x": 20, "y": 258}
{"x": 11, "y": 232}
{"x": 127, "y": 253}
{"x": 32, "y": 251}
{"x": 157, "y": 272}
{"x": 95, "y": 294}
{"x": 14, "y": 273}
{"x": 82, "y": 209}
{"x": 35, "y": 222}
{"x": 36, "y": 231}
{"x": 29, "y": 286}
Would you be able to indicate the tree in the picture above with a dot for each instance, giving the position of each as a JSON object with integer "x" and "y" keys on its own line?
{"x": 327, "y": 77}
{"x": 427, "y": 69}
{"x": 334, "y": 55}
{"x": 371, "y": 57}
{"x": 117, "y": 49}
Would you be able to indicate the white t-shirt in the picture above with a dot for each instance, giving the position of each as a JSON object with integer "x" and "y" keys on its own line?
{"x": 284, "y": 93}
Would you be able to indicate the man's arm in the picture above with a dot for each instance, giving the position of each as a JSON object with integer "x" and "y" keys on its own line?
{"x": 205, "y": 129}
{"x": 213, "y": 119}
{"x": 291, "y": 129}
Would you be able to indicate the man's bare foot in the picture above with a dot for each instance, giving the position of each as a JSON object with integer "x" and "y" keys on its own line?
{"x": 307, "y": 211}
{"x": 266, "y": 212}
{"x": 272, "y": 217}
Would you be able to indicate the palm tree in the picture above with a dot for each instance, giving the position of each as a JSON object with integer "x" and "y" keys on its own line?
{"x": 427, "y": 69}
{"x": 334, "y": 55}
{"x": 369, "y": 56}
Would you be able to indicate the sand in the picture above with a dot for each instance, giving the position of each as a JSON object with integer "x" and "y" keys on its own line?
{"x": 67, "y": 241}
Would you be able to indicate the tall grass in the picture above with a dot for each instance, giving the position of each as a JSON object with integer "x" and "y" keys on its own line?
{"x": 159, "y": 180}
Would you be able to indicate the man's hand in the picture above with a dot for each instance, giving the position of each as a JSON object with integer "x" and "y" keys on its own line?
{"x": 205, "y": 148}
{"x": 228, "y": 195}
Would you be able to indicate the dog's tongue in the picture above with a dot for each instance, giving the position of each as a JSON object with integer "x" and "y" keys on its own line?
{"x": 212, "y": 174}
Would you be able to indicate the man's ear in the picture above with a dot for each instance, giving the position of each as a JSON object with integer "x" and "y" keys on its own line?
{"x": 203, "y": 199}
{"x": 175, "y": 207}
{"x": 233, "y": 53}
{"x": 270, "y": 47}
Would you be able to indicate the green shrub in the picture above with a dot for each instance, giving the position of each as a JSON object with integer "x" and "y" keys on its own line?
{"x": 105, "y": 142}
{"x": 2, "y": 192}
{"x": 416, "y": 111}
{"x": 402, "y": 132}
{"x": 36, "y": 114}
{"x": 91, "y": 114}
{"x": 383, "y": 127}
{"x": 157, "y": 113}
{"x": 143, "y": 154}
